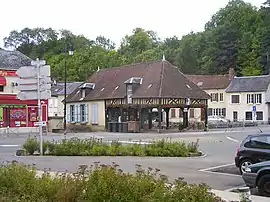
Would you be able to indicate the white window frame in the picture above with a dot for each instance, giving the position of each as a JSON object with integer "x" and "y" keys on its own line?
{"x": 216, "y": 96}
{"x": 257, "y": 98}
{"x": 231, "y": 99}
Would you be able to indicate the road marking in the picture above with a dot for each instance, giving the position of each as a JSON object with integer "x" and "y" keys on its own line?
{"x": 218, "y": 173}
{"x": 215, "y": 167}
{"x": 234, "y": 140}
{"x": 9, "y": 145}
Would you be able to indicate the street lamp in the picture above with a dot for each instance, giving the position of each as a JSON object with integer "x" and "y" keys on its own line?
{"x": 70, "y": 52}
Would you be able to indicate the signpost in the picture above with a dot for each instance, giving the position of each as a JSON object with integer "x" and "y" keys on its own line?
{"x": 35, "y": 84}
{"x": 254, "y": 112}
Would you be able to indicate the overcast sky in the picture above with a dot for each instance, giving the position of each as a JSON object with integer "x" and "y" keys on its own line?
{"x": 110, "y": 18}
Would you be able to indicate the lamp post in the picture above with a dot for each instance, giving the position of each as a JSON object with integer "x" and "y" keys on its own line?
{"x": 70, "y": 52}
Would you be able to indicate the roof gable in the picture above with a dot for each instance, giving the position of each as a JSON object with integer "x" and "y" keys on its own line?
{"x": 249, "y": 84}
{"x": 158, "y": 79}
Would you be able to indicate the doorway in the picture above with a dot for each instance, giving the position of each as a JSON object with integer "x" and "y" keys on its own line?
{"x": 235, "y": 116}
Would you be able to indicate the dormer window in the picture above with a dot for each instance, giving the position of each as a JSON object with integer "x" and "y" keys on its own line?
{"x": 84, "y": 89}
{"x": 131, "y": 85}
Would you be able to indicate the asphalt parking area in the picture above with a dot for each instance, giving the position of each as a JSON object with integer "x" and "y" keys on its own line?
{"x": 230, "y": 170}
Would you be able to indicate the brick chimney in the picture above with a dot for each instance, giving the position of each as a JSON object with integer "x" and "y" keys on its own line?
{"x": 232, "y": 73}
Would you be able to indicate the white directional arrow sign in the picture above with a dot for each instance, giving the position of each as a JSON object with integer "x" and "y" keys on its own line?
{"x": 42, "y": 81}
{"x": 34, "y": 87}
{"x": 33, "y": 95}
{"x": 31, "y": 71}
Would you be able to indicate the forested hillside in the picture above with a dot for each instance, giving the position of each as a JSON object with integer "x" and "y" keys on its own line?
{"x": 236, "y": 36}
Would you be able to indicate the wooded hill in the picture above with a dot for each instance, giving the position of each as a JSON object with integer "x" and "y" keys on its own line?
{"x": 236, "y": 36}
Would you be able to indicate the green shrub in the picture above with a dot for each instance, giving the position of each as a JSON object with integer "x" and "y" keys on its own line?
{"x": 96, "y": 147}
{"x": 97, "y": 183}
{"x": 31, "y": 145}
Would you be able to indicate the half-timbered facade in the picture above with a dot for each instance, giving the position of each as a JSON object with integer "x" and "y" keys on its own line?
{"x": 130, "y": 93}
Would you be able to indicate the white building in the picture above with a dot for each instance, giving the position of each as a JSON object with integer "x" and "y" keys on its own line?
{"x": 248, "y": 98}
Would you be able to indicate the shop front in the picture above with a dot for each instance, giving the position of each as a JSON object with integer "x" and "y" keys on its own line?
{"x": 17, "y": 113}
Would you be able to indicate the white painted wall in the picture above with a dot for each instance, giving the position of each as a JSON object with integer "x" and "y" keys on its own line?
{"x": 10, "y": 88}
{"x": 242, "y": 107}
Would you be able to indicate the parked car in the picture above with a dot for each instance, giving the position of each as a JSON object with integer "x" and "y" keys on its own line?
{"x": 253, "y": 149}
{"x": 217, "y": 119}
{"x": 258, "y": 175}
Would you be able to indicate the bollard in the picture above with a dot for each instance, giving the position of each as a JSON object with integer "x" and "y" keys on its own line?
{"x": 244, "y": 194}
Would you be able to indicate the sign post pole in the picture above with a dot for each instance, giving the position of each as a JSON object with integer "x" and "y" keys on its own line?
{"x": 35, "y": 84}
{"x": 38, "y": 64}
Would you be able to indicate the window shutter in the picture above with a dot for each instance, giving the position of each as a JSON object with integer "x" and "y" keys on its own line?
{"x": 224, "y": 112}
{"x": 94, "y": 114}
{"x": 68, "y": 113}
{"x": 76, "y": 113}
{"x": 86, "y": 113}
{"x": 79, "y": 113}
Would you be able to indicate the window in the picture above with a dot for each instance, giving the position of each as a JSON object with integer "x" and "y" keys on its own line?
{"x": 209, "y": 112}
{"x": 259, "y": 116}
{"x": 1, "y": 88}
{"x": 254, "y": 98}
{"x": 94, "y": 114}
{"x": 235, "y": 99}
{"x": 172, "y": 113}
{"x": 72, "y": 113}
{"x": 82, "y": 113}
{"x": 221, "y": 99}
{"x": 258, "y": 98}
{"x": 248, "y": 116}
{"x": 180, "y": 113}
{"x": 260, "y": 142}
{"x": 217, "y": 112}
{"x": 214, "y": 97}
{"x": 191, "y": 113}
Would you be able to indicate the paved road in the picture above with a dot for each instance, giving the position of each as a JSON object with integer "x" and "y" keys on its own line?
{"x": 220, "y": 147}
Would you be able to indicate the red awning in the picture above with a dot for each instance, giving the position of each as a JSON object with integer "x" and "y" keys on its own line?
{"x": 3, "y": 81}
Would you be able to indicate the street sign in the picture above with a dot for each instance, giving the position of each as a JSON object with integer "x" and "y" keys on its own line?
{"x": 41, "y": 123}
{"x": 38, "y": 62}
{"x": 33, "y": 95}
{"x": 254, "y": 108}
{"x": 44, "y": 80}
{"x": 31, "y": 71}
{"x": 34, "y": 87}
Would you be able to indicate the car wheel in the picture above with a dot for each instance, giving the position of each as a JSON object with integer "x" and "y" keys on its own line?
{"x": 264, "y": 185}
{"x": 244, "y": 164}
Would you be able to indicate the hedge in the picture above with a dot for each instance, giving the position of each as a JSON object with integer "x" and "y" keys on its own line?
{"x": 97, "y": 183}
{"x": 96, "y": 147}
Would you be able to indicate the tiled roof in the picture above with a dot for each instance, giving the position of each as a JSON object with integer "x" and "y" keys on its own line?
{"x": 159, "y": 79}
{"x": 13, "y": 60}
{"x": 210, "y": 81}
{"x": 59, "y": 88}
{"x": 249, "y": 84}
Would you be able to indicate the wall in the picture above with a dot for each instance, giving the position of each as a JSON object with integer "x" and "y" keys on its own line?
{"x": 10, "y": 88}
{"x": 197, "y": 111}
{"x": 56, "y": 106}
{"x": 101, "y": 111}
{"x": 242, "y": 107}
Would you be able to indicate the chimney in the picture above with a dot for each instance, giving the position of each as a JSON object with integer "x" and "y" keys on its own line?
{"x": 232, "y": 73}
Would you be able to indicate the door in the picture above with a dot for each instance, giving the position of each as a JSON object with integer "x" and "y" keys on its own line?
{"x": 260, "y": 148}
{"x": 235, "y": 116}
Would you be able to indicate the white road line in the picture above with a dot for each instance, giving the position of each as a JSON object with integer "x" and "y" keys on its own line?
{"x": 234, "y": 140}
{"x": 218, "y": 173}
{"x": 9, "y": 145}
{"x": 215, "y": 167}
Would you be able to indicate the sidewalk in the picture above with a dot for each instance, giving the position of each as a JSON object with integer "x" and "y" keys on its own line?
{"x": 231, "y": 196}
